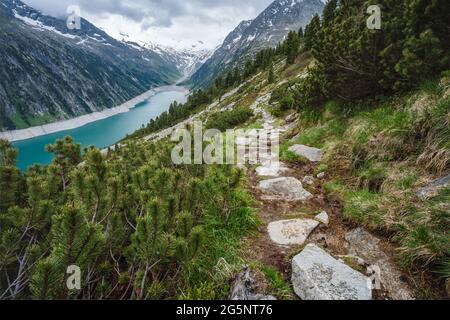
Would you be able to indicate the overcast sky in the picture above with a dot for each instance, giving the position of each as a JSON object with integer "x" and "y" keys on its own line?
{"x": 174, "y": 23}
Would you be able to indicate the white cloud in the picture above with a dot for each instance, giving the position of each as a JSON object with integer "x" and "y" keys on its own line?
{"x": 168, "y": 22}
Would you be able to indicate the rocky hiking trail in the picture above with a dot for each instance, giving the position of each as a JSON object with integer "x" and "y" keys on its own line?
{"x": 304, "y": 236}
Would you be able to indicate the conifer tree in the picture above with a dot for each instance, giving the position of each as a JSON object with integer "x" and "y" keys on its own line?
{"x": 311, "y": 31}
{"x": 74, "y": 242}
{"x": 271, "y": 76}
{"x": 292, "y": 46}
{"x": 9, "y": 176}
{"x": 66, "y": 156}
{"x": 328, "y": 13}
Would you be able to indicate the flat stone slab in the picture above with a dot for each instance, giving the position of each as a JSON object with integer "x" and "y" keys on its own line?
{"x": 291, "y": 232}
{"x": 318, "y": 276}
{"x": 312, "y": 154}
{"x": 269, "y": 169}
{"x": 285, "y": 188}
{"x": 433, "y": 188}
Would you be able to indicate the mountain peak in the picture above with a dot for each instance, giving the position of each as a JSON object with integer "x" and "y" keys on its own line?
{"x": 249, "y": 37}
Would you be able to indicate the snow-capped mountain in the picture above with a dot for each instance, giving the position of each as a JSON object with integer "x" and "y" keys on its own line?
{"x": 186, "y": 60}
{"x": 48, "y": 72}
{"x": 267, "y": 30}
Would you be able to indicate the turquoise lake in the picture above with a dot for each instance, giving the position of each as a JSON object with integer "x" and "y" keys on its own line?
{"x": 102, "y": 133}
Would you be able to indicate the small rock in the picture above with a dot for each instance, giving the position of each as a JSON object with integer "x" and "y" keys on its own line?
{"x": 291, "y": 118}
{"x": 244, "y": 285}
{"x": 308, "y": 180}
{"x": 288, "y": 127}
{"x": 285, "y": 188}
{"x": 433, "y": 188}
{"x": 312, "y": 154}
{"x": 291, "y": 232}
{"x": 321, "y": 175}
{"x": 323, "y": 217}
{"x": 318, "y": 276}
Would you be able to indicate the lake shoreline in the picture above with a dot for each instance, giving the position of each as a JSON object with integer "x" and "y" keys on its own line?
{"x": 77, "y": 122}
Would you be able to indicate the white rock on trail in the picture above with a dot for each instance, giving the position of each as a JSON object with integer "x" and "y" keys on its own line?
{"x": 323, "y": 217}
{"x": 318, "y": 276}
{"x": 312, "y": 154}
{"x": 321, "y": 175}
{"x": 270, "y": 169}
{"x": 291, "y": 232}
{"x": 285, "y": 188}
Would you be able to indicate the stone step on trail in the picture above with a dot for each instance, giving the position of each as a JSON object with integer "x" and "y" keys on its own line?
{"x": 318, "y": 276}
{"x": 291, "y": 232}
{"x": 312, "y": 154}
{"x": 284, "y": 188}
{"x": 271, "y": 170}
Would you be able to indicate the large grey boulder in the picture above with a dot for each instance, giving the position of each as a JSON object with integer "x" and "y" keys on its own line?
{"x": 291, "y": 232}
{"x": 312, "y": 154}
{"x": 318, "y": 276}
{"x": 284, "y": 188}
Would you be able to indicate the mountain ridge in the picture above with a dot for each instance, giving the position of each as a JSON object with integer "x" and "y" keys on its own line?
{"x": 50, "y": 73}
{"x": 266, "y": 30}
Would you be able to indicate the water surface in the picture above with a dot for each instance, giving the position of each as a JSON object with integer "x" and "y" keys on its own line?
{"x": 102, "y": 133}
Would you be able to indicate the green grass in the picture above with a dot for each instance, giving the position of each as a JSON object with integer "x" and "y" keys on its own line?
{"x": 424, "y": 237}
{"x": 209, "y": 275}
{"x": 18, "y": 121}
{"x": 277, "y": 285}
{"x": 29, "y": 121}
{"x": 384, "y": 148}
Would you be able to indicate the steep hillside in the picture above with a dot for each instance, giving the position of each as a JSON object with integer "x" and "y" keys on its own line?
{"x": 49, "y": 72}
{"x": 266, "y": 30}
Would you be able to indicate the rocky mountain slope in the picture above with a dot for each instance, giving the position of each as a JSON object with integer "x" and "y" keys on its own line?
{"x": 48, "y": 72}
{"x": 249, "y": 37}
